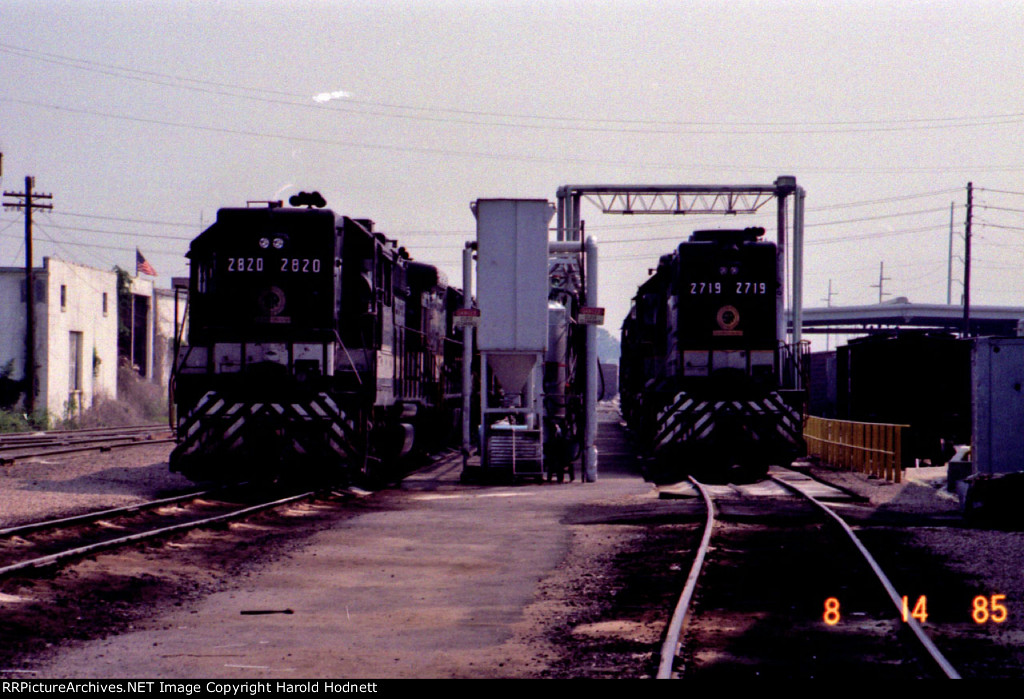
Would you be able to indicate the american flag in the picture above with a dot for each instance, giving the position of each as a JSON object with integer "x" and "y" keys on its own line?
{"x": 141, "y": 266}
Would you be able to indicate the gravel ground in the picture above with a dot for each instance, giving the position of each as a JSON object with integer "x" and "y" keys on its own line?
{"x": 67, "y": 484}
{"x": 983, "y": 557}
{"x": 571, "y": 607}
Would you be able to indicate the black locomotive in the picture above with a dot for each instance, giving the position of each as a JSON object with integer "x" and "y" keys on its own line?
{"x": 316, "y": 348}
{"x": 705, "y": 383}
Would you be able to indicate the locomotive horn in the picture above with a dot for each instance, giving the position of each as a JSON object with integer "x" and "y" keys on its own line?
{"x": 308, "y": 199}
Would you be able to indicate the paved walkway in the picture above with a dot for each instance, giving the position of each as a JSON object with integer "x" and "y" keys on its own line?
{"x": 437, "y": 580}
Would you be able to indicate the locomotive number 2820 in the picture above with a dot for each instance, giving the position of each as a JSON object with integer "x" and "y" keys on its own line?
{"x": 288, "y": 264}
{"x": 300, "y": 264}
{"x": 245, "y": 264}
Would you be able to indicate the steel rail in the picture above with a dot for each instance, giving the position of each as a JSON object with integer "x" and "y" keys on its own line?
{"x": 84, "y": 433}
{"x": 670, "y": 648}
{"x": 141, "y": 536}
{"x": 890, "y": 590}
{"x": 101, "y": 445}
{"x": 17, "y": 445}
{"x": 99, "y": 514}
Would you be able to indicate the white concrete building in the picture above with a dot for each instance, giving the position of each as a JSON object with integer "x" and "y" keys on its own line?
{"x": 75, "y": 333}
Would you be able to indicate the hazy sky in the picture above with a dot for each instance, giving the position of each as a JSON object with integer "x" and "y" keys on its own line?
{"x": 143, "y": 118}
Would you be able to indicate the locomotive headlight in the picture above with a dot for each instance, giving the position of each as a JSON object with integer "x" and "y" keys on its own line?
{"x": 278, "y": 243}
{"x": 264, "y": 243}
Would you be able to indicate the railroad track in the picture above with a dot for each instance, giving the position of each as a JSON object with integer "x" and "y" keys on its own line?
{"x": 55, "y": 542}
{"x": 25, "y": 445}
{"x": 791, "y": 594}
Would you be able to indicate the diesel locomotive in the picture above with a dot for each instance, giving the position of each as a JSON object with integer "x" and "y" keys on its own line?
{"x": 317, "y": 350}
{"x": 707, "y": 385}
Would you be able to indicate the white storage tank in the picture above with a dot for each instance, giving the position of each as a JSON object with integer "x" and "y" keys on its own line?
{"x": 512, "y": 285}
{"x": 512, "y": 295}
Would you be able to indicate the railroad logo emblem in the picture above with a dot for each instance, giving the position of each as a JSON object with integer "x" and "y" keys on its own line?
{"x": 728, "y": 317}
{"x": 271, "y": 301}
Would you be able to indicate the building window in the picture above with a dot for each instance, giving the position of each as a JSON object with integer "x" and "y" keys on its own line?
{"x": 63, "y": 297}
{"x": 104, "y": 303}
{"x": 74, "y": 361}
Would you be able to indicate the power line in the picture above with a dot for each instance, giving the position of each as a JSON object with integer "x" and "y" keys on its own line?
{"x": 829, "y": 241}
{"x": 988, "y": 224}
{"x": 130, "y": 248}
{"x": 874, "y": 218}
{"x": 999, "y": 191}
{"x": 507, "y": 157}
{"x": 989, "y": 207}
{"x": 545, "y": 121}
{"x": 133, "y": 234}
{"x": 126, "y": 220}
{"x": 887, "y": 200}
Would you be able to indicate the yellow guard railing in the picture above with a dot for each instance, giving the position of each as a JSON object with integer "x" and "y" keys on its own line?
{"x": 865, "y": 447}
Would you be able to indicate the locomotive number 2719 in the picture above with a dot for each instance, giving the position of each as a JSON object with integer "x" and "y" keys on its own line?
{"x": 742, "y": 288}
{"x": 751, "y": 288}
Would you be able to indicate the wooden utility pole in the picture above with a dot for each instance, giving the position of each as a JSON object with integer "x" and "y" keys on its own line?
{"x": 28, "y": 203}
{"x": 949, "y": 270}
{"x": 967, "y": 260}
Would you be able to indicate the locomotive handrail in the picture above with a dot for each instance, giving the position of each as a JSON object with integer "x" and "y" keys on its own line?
{"x": 867, "y": 447}
{"x": 793, "y": 361}
{"x": 351, "y": 362}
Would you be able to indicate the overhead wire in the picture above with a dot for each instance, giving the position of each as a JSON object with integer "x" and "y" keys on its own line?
{"x": 163, "y": 78}
{"x": 506, "y": 157}
{"x": 546, "y": 121}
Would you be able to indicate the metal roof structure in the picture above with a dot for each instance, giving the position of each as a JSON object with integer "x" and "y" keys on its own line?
{"x": 900, "y": 313}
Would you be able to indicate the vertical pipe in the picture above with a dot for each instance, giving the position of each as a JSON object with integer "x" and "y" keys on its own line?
{"x": 560, "y": 215}
{"x": 533, "y": 401}
{"x": 576, "y": 232}
{"x": 798, "y": 278}
{"x": 590, "y": 404}
{"x": 467, "y": 349}
{"x": 482, "y": 428}
{"x": 172, "y": 408}
{"x": 780, "y": 275}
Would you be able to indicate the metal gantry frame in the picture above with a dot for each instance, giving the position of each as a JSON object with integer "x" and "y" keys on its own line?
{"x": 679, "y": 200}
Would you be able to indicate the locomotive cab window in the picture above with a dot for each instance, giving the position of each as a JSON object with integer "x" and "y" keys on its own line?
{"x": 204, "y": 276}
{"x": 648, "y": 309}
